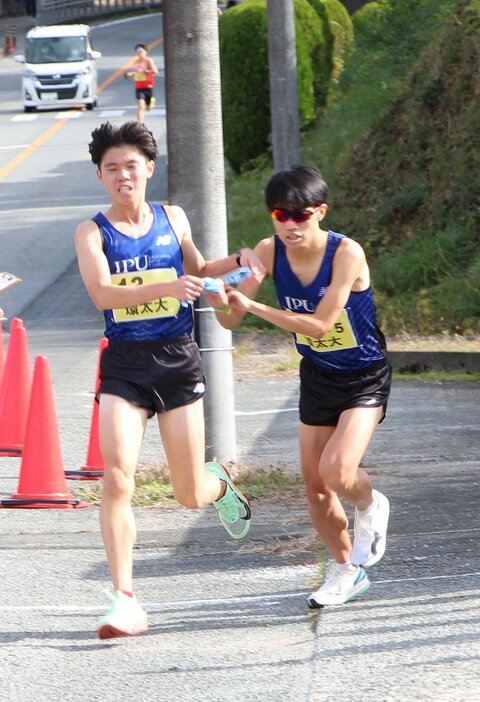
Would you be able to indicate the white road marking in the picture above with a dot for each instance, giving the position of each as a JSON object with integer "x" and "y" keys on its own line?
{"x": 158, "y": 111}
{"x": 68, "y": 115}
{"x": 195, "y": 604}
{"x": 153, "y": 606}
{"x": 25, "y": 118}
{"x": 426, "y": 577}
{"x": 15, "y": 146}
{"x": 112, "y": 113}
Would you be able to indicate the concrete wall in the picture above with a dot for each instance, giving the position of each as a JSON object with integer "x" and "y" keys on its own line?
{"x": 50, "y": 11}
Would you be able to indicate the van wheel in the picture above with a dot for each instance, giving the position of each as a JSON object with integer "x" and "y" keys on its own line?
{"x": 28, "y": 109}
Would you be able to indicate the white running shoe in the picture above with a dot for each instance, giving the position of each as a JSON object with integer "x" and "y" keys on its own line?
{"x": 124, "y": 617}
{"x": 370, "y": 531}
{"x": 340, "y": 588}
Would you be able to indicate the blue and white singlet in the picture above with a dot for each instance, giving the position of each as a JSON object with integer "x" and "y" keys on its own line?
{"x": 354, "y": 341}
{"x": 154, "y": 257}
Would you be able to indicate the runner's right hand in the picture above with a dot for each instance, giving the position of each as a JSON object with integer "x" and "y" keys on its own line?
{"x": 187, "y": 287}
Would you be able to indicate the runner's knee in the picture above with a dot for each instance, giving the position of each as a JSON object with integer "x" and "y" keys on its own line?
{"x": 117, "y": 485}
{"x": 338, "y": 475}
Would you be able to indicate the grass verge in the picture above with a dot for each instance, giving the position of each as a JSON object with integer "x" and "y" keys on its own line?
{"x": 153, "y": 486}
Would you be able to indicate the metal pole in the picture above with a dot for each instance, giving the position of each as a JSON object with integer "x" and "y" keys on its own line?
{"x": 282, "y": 59}
{"x": 196, "y": 181}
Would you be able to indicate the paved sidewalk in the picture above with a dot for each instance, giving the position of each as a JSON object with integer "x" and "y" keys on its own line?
{"x": 229, "y": 619}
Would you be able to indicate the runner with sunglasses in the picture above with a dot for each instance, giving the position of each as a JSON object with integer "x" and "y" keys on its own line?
{"x": 323, "y": 288}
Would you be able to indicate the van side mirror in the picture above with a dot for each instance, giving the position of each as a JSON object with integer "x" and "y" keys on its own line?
{"x": 96, "y": 54}
{"x": 20, "y": 58}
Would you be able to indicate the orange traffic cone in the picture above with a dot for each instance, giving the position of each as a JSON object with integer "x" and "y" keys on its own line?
{"x": 15, "y": 394}
{"x": 42, "y": 481}
{"x": 94, "y": 468}
{"x": 2, "y": 354}
{"x": 16, "y": 322}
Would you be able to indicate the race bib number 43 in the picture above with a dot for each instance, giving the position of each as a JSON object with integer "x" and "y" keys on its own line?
{"x": 338, "y": 338}
{"x": 163, "y": 307}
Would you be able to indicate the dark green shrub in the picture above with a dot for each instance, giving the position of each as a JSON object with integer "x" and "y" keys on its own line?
{"x": 245, "y": 82}
{"x": 368, "y": 15}
{"x": 341, "y": 28}
{"x": 245, "y": 79}
{"x": 321, "y": 46}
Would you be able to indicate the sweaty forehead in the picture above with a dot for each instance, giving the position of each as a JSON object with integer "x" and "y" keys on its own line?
{"x": 122, "y": 154}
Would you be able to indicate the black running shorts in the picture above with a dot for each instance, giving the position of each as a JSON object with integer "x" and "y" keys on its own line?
{"x": 144, "y": 94}
{"x": 156, "y": 375}
{"x": 324, "y": 395}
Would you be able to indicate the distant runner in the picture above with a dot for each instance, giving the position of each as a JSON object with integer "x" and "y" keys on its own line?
{"x": 143, "y": 71}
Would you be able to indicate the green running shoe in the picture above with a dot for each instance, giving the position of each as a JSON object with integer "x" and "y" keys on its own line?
{"x": 124, "y": 617}
{"x": 233, "y": 508}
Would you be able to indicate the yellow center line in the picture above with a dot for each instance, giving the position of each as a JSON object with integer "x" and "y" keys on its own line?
{"x": 8, "y": 167}
{"x": 54, "y": 128}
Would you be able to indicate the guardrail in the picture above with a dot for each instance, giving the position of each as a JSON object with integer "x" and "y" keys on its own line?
{"x": 54, "y": 11}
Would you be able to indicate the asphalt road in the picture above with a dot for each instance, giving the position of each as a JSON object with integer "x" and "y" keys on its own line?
{"x": 228, "y": 619}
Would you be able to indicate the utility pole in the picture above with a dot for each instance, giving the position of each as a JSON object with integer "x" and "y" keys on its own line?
{"x": 196, "y": 182}
{"x": 282, "y": 59}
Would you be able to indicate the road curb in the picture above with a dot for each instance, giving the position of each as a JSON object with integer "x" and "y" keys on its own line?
{"x": 420, "y": 361}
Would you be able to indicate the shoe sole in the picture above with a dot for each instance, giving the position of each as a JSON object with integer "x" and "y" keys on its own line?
{"x": 313, "y": 604}
{"x": 107, "y": 631}
{"x": 380, "y": 544}
{"x": 247, "y": 504}
{"x": 248, "y": 508}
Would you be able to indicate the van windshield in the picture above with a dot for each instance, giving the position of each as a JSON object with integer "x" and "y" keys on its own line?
{"x": 56, "y": 50}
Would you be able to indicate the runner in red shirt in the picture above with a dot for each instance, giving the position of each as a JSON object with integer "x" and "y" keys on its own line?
{"x": 143, "y": 72}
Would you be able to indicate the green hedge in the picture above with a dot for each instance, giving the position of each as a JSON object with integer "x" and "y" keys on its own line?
{"x": 340, "y": 28}
{"x": 245, "y": 78}
{"x": 368, "y": 15}
{"x": 315, "y": 29}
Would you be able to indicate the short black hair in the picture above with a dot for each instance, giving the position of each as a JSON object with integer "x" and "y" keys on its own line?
{"x": 296, "y": 188}
{"x": 130, "y": 133}
{"x": 141, "y": 46}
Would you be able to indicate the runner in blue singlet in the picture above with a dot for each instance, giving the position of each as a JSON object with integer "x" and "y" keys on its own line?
{"x": 323, "y": 288}
{"x": 141, "y": 267}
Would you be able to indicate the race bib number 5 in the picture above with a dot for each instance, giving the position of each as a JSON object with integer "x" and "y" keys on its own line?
{"x": 163, "y": 307}
{"x": 338, "y": 338}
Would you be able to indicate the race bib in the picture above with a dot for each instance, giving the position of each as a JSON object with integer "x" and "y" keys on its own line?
{"x": 338, "y": 338}
{"x": 140, "y": 76}
{"x": 163, "y": 307}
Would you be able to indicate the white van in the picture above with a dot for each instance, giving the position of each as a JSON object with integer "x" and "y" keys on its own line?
{"x": 60, "y": 68}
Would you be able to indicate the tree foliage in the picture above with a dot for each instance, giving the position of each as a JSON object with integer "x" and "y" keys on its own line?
{"x": 245, "y": 78}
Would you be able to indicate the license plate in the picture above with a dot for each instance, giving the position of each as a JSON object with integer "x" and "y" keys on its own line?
{"x": 49, "y": 97}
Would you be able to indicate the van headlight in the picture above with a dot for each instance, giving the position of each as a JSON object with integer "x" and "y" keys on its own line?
{"x": 86, "y": 70}
{"x": 28, "y": 73}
